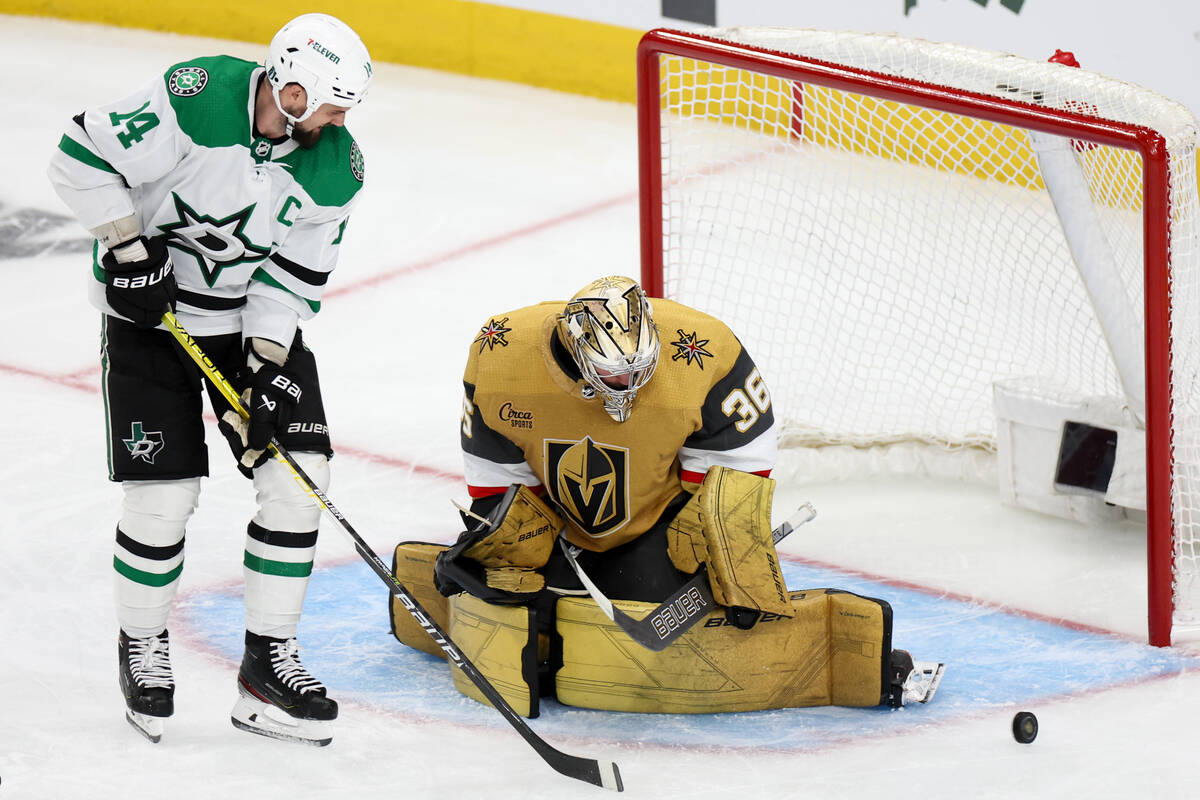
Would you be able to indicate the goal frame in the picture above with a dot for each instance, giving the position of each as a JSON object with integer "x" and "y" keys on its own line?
{"x": 1146, "y": 142}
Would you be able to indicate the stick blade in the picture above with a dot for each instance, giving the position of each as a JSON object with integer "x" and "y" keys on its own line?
{"x": 604, "y": 774}
{"x": 610, "y": 776}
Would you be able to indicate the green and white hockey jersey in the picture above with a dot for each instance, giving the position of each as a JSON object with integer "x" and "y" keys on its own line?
{"x": 253, "y": 225}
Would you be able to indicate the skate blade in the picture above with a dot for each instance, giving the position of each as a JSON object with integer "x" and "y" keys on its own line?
{"x": 150, "y": 727}
{"x": 255, "y": 716}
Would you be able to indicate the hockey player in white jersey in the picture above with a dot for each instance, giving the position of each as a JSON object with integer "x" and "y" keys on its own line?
{"x": 220, "y": 190}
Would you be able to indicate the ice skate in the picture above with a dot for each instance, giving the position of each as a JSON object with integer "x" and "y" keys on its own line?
{"x": 913, "y": 681}
{"x": 278, "y": 697}
{"x": 147, "y": 683}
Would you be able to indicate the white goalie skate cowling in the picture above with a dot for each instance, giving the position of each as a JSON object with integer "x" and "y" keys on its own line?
{"x": 923, "y": 681}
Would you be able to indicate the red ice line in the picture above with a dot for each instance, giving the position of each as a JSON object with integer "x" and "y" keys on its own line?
{"x": 956, "y": 596}
{"x": 83, "y": 380}
{"x": 482, "y": 244}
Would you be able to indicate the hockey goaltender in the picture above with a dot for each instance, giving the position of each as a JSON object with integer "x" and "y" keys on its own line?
{"x": 618, "y": 552}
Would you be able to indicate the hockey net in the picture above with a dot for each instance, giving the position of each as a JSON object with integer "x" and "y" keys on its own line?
{"x": 878, "y": 220}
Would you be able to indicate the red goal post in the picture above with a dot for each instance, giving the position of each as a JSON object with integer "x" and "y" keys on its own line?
{"x": 773, "y": 162}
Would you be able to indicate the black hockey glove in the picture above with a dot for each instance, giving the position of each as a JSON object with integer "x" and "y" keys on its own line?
{"x": 140, "y": 280}
{"x": 270, "y": 394}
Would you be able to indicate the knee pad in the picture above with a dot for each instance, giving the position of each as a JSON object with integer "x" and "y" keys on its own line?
{"x": 156, "y": 512}
{"x": 283, "y": 503}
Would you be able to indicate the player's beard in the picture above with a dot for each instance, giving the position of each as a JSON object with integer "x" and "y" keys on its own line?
{"x": 307, "y": 137}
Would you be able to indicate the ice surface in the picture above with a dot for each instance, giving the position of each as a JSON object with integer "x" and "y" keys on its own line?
{"x": 482, "y": 197}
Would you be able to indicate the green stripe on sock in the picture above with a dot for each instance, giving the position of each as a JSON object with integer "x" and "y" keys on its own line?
{"x": 284, "y": 569}
{"x": 146, "y": 578}
{"x": 80, "y": 153}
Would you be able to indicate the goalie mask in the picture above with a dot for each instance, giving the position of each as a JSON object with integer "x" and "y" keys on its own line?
{"x": 608, "y": 326}
{"x": 325, "y": 56}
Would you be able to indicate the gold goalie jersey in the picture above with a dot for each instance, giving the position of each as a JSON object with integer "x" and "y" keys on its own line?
{"x": 528, "y": 417}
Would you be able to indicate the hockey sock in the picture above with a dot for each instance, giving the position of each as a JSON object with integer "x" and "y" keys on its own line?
{"x": 281, "y": 541}
{"x": 277, "y": 565}
{"x": 148, "y": 553}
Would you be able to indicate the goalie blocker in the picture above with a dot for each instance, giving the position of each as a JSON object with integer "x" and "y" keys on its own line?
{"x": 809, "y": 648}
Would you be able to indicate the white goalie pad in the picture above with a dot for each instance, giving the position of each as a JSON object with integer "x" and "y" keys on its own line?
{"x": 1081, "y": 458}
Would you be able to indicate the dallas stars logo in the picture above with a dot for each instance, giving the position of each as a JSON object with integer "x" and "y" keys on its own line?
{"x": 143, "y": 444}
{"x": 492, "y": 334}
{"x": 187, "y": 81}
{"x": 357, "y": 167}
{"x": 215, "y": 243}
{"x": 690, "y": 348}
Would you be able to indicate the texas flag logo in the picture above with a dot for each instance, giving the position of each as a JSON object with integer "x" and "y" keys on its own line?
{"x": 143, "y": 444}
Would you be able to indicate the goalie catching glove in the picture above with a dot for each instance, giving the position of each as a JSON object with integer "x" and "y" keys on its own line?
{"x": 269, "y": 396}
{"x": 498, "y": 561}
{"x": 140, "y": 280}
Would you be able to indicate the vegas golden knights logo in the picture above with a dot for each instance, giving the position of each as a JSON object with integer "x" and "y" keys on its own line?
{"x": 590, "y": 482}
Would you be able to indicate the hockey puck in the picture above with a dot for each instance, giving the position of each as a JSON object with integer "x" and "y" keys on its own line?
{"x": 1024, "y": 727}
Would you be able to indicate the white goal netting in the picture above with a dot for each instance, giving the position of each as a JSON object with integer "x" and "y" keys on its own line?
{"x": 887, "y": 262}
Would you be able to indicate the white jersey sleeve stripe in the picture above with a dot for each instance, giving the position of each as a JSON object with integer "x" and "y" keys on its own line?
{"x": 90, "y": 186}
{"x": 83, "y": 151}
{"x": 758, "y": 455}
{"x": 481, "y": 473}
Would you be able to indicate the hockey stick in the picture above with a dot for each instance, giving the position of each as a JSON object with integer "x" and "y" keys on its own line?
{"x": 590, "y": 770}
{"x": 677, "y": 614}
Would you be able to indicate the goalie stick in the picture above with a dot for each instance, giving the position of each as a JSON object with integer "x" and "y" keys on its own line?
{"x": 677, "y": 614}
{"x": 604, "y": 774}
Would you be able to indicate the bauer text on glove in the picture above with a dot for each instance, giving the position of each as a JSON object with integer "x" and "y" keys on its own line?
{"x": 140, "y": 280}
{"x": 269, "y": 396}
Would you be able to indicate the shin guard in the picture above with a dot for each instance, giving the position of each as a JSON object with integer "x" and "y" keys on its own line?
{"x": 281, "y": 543}
{"x": 148, "y": 553}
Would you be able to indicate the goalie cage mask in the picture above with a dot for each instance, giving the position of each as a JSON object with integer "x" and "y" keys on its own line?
{"x": 608, "y": 327}
{"x": 323, "y": 55}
